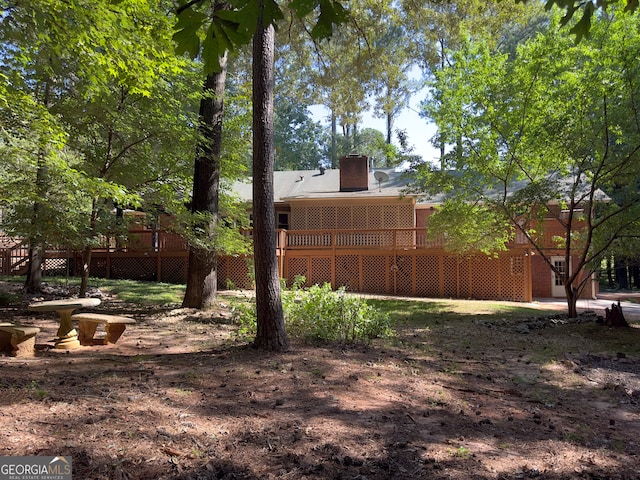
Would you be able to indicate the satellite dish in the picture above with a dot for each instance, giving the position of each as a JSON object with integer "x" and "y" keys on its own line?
{"x": 380, "y": 177}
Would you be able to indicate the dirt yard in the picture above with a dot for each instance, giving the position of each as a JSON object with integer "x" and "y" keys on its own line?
{"x": 179, "y": 398}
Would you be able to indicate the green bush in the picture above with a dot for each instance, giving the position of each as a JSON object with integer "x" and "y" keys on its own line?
{"x": 8, "y": 298}
{"x": 318, "y": 314}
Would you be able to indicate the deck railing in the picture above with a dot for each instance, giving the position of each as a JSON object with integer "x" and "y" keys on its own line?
{"x": 157, "y": 242}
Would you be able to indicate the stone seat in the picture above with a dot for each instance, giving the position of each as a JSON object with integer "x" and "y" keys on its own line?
{"x": 114, "y": 326}
{"x": 18, "y": 340}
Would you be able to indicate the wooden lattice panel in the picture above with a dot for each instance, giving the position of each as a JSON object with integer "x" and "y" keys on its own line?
{"x": 428, "y": 276}
{"x": 514, "y": 273}
{"x": 390, "y": 216}
{"x": 348, "y": 272}
{"x": 314, "y": 218}
{"x": 375, "y": 273}
{"x": 405, "y": 215}
{"x": 297, "y": 266}
{"x": 464, "y": 283}
{"x": 222, "y": 272}
{"x": 375, "y": 215}
{"x": 359, "y": 216}
{"x": 174, "y": 270}
{"x": 54, "y": 266}
{"x": 404, "y": 274}
{"x": 450, "y": 275}
{"x": 98, "y": 267}
{"x": 234, "y": 270}
{"x": 329, "y": 218}
{"x": 485, "y": 277}
{"x": 320, "y": 270}
{"x": 298, "y": 219}
{"x": 134, "y": 268}
{"x": 343, "y": 217}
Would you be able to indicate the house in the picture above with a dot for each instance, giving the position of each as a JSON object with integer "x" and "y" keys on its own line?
{"x": 354, "y": 227}
{"x": 359, "y": 228}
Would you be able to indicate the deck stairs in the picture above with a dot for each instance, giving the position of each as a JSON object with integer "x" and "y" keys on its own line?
{"x": 14, "y": 256}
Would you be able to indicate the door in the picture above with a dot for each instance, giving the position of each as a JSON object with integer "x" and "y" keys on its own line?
{"x": 557, "y": 284}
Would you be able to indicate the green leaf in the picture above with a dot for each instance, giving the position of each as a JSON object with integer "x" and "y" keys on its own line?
{"x": 215, "y": 31}
{"x": 302, "y": 7}
{"x": 211, "y": 53}
{"x": 187, "y": 41}
{"x": 245, "y": 18}
{"x": 231, "y": 31}
{"x": 272, "y": 12}
{"x": 331, "y": 12}
{"x": 582, "y": 28}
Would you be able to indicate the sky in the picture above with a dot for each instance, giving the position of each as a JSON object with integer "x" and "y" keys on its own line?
{"x": 418, "y": 129}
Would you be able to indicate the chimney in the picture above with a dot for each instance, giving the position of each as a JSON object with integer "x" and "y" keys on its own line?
{"x": 354, "y": 173}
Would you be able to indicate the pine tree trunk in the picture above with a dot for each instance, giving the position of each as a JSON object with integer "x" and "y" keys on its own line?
{"x": 34, "y": 271}
{"x": 202, "y": 278}
{"x": 620, "y": 267}
{"x": 86, "y": 270}
{"x": 271, "y": 334}
{"x": 334, "y": 135}
{"x": 33, "y": 282}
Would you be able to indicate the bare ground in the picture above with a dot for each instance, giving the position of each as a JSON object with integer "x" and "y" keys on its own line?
{"x": 179, "y": 398}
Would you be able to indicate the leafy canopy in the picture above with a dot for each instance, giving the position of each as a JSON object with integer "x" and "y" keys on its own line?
{"x": 207, "y": 29}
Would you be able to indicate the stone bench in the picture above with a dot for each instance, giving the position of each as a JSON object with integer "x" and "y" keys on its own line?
{"x": 114, "y": 326}
{"x": 18, "y": 340}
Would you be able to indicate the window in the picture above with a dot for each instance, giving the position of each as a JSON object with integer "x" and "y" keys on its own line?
{"x": 561, "y": 266}
{"x": 283, "y": 220}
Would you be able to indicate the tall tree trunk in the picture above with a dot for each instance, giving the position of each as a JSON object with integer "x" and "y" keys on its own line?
{"x": 86, "y": 253}
{"x": 202, "y": 279}
{"x": 334, "y": 136}
{"x": 86, "y": 269}
{"x": 620, "y": 267}
{"x": 635, "y": 274}
{"x": 610, "y": 283}
{"x": 271, "y": 334}
{"x": 33, "y": 282}
{"x": 389, "y": 128}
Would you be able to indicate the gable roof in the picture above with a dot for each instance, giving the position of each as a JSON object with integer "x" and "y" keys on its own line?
{"x": 311, "y": 184}
{"x": 294, "y": 185}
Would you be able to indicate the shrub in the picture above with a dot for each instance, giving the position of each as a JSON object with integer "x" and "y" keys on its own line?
{"x": 318, "y": 314}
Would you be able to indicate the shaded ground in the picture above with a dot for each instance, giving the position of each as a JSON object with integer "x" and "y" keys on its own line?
{"x": 471, "y": 398}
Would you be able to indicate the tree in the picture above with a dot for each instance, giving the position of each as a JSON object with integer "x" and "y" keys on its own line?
{"x": 103, "y": 74}
{"x": 226, "y": 30}
{"x": 392, "y": 85}
{"x": 543, "y": 136}
{"x": 582, "y": 27}
{"x": 298, "y": 139}
{"x": 436, "y": 29}
{"x": 202, "y": 280}
{"x": 271, "y": 334}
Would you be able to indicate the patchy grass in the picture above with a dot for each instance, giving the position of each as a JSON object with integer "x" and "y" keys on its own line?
{"x": 132, "y": 291}
{"x": 142, "y": 293}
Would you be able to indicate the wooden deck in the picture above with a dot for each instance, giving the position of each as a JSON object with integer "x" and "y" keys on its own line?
{"x": 388, "y": 261}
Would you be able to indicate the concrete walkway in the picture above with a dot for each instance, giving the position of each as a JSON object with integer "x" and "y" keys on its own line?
{"x": 630, "y": 310}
